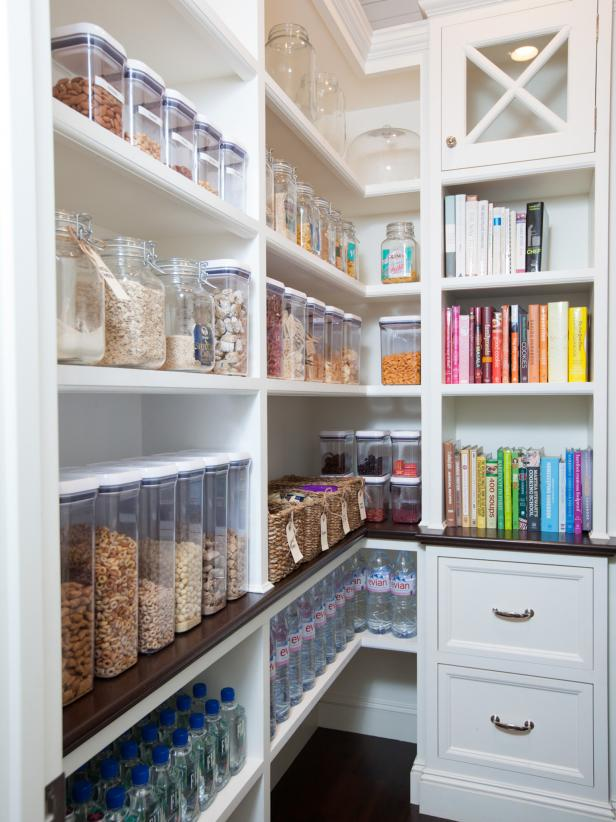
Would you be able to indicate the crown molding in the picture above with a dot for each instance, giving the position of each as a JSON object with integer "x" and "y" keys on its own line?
{"x": 349, "y": 18}
{"x": 397, "y": 46}
{"x": 432, "y": 8}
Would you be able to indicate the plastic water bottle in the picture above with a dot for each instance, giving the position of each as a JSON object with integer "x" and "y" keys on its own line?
{"x": 340, "y": 610}
{"x": 272, "y": 683}
{"x": 199, "y": 692}
{"x": 281, "y": 679}
{"x": 142, "y": 799}
{"x": 130, "y": 757}
{"x": 306, "y": 613}
{"x": 204, "y": 749}
{"x": 294, "y": 629}
{"x": 378, "y": 586}
{"x": 166, "y": 725}
{"x": 318, "y": 606}
{"x": 115, "y": 802}
{"x": 349, "y": 601}
{"x": 149, "y": 740}
{"x": 109, "y": 778}
{"x": 81, "y": 801}
{"x": 217, "y": 726}
{"x": 329, "y": 593}
{"x": 404, "y": 597}
{"x": 359, "y": 583}
{"x": 183, "y": 761}
{"x": 183, "y": 704}
{"x": 234, "y": 715}
{"x": 164, "y": 780}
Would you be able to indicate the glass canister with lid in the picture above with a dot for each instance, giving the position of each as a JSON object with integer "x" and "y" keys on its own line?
{"x": 400, "y": 350}
{"x": 333, "y": 344}
{"x": 135, "y": 324}
{"x": 406, "y": 500}
{"x": 305, "y": 216}
{"x": 315, "y": 340}
{"x": 349, "y": 252}
{"x": 274, "y": 309}
{"x": 143, "y": 95}
{"x": 233, "y": 165}
{"x": 373, "y": 453}
{"x": 398, "y": 254}
{"x": 80, "y": 293}
{"x": 178, "y": 132}
{"x": 78, "y": 490}
{"x": 351, "y": 348}
{"x": 285, "y": 199}
{"x": 207, "y": 155}
{"x": 336, "y": 239}
{"x": 291, "y": 62}
{"x": 238, "y": 523}
{"x": 231, "y": 280}
{"x": 376, "y": 494}
{"x": 336, "y": 453}
{"x": 294, "y": 335}
{"x": 406, "y": 453}
{"x": 320, "y": 240}
{"x": 189, "y": 317}
{"x": 88, "y": 66}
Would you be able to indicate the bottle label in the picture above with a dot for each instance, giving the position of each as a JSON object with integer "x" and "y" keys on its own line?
{"x": 295, "y": 643}
{"x": 378, "y": 582}
{"x": 204, "y": 344}
{"x": 359, "y": 581}
{"x": 340, "y": 598}
{"x": 100, "y": 81}
{"x": 330, "y": 608}
{"x": 404, "y": 585}
{"x": 181, "y": 140}
{"x": 240, "y": 728}
{"x": 349, "y": 592}
{"x": 392, "y": 263}
{"x": 149, "y": 115}
{"x": 282, "y": 655}
{"x": 272, "y": 667}
{"x": 308, "y": 631}
{"x": 192, "y": 780}
{"x": 351, "y": 251}
{"x": 319, "y": 616}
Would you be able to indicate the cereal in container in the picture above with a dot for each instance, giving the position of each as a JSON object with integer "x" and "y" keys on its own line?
{"x": 315, "y": 340}
{"x": 400, "y": 350}
{"x": 143, "y": 95}
{"x": 351, "y": 348}
{"x": 294, "y": 335}
{"x": 306, "y": 216}
{"x": 274, "y": 291}
{"x": 178, "y": 132}
{"x": 333, "y": 344}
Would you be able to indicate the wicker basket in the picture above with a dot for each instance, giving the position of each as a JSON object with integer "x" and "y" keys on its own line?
{"x": 351, "y": 488}
{"x": 280, "y": 561}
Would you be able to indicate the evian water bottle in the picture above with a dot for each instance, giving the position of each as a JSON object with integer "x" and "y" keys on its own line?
{"x": 329, "y": 595}
{"x": 304, "y": 603}
{"x": 359, "y": 583}
{"x": 281, "y": 678}
{"x": 318, "y": 605}
{"x": 404, "y": 596}
{"x": 296, "y": 690}
{"x": 349, "y": 601}
{"x": 378, "y": 586}
{"x": 340, "y": 610}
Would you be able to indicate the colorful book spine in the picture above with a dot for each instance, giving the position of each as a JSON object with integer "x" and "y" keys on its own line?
{"x": 464, "y": 348}
{"x": 512, "y": 242}
{"x": 472, "y": 235}
{"x": 558, "y": 344}
{"x": 587, "y": 489}
{"x": 536, "y": 234}
{"x": 533, "y": 343}
{"x": 497, "y": 241}
{"x": 523, "y": 348}
{"x": 460, "y": 235}
{"x": 543, "y": 343}
{"x": 577, "y": 492}
{"x": 482, "y": 227}
{"x": 448, "y": 332}
{"x": 533, "y": 501}
{"x": 515, "y": 491}
{"x": 490, "y": 239}
{"x": 487, "y": 313}
{"x": 515, "y": 313}
{"x": 523, "y": 512}
{"x": 578, "y": 344}
{"x": 505, "y": 345}
{"x": 455, "y": 345}
{"x": 449, "y": 477}
{"x": 500, "y": 490}
{"x": 471, "y": 345}
{"x": 549, "y": 473}
{"x": 507, "y": 490}
{"x": 562, "y": 496}
{"x": 473, "y": 487}
{"x": 507, "y": 244}
{"x": 465, "y": 466}
{"x": 450, "y": 235}
{"x": 481, "y": 491}
{"x": 458, "y": 486}
{"x": 569, "y": 524}
{"x": 497, "y": 347}
{"x": 478, "y": 345}
{"x": 491, "y": 493}
{"x": 520, "y": 241}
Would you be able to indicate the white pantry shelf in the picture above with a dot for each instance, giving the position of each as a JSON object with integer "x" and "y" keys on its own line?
{"x": 389, "y": 189}
{"x": 320, "y": 389}
{"x": 389, "y": 642}
{"x": 570, "y": 279}
{"x": 395, "y": 291}
{"x": 523, "y": 389}
{"x": 101, "y": 379}
{"x": 234, "y": 792}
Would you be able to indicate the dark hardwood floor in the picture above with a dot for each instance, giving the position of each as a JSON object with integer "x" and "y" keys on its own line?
{"x": 348, "y": 778}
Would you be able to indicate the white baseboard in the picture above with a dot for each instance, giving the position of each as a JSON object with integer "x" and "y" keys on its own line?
{"x": 372, "y": 717}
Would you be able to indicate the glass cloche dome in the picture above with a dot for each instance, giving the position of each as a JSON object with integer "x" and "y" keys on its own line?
{"x": 385, "y": 155}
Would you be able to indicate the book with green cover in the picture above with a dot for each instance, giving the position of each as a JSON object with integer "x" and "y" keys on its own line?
{"x": 515, "y": 491}
{"x": 481, "y": 491}
{"x": 500, "y": 489}
{"x": 491, "y": 491}
{"x": 507, "y": 457}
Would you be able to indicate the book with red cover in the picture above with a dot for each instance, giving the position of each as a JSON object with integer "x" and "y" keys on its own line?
{"x": 448, "y": 360}
{"x": 543, "y": 343}
{"x": 471, "y": 345}
{"x": 497, "y": 347}
{"x": 533, "y": 342}
{"x": 487, "y": 314}
{"x": 506, "y": 346}
{"x": 478, "y": 345}
{"x": 455, "y": 345}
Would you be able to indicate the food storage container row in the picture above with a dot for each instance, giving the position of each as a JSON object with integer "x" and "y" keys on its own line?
{"x": 378, "y": 453}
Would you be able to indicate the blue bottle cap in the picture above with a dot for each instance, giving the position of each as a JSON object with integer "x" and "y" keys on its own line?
{"x": 115, "y": 798}
{"x": 160, "y": 755}
{"x": 212, "y": 707}
{"x": 180, "y": 737}
{"x": 197, "y": 721}
{"x": 149, "y": 733}
{"x": 140, "y": 774}
{"x": 227, "y": 695}
{"x": 167, "y": 717}
{"x": 129, "y": 749}
{"x": 199, "y": 690}
{"x": 82, "y": 790}
{"x": 109, "y": 768}
{"x": 183, "y": 702}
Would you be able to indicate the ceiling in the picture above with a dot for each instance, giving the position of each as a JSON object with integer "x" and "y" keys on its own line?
{"x": 385, "y": 13}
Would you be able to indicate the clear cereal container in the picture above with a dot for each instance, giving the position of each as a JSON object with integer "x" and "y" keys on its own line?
{"x": 207, "y": 155}
{"x": 215, "y": 524}
{"x": 143, "y": 96}
{"x": 337, "y": 453}
{"x": 334, "y": 318}
{"x": 406, "y": 453}
{"x": 231, "y": 280}
{"x": 233, "y": 166}
{"x": 376, "y": 494}
{"x": 406, "y": 500}
{"x": 294, "y": 335}
{"x": 351, "y": 348}
{"x": 178, "y": 132}
{"x": 88, "y": 73}
{"x": 77, "y": 503}
{"x": 400, "y": 350}
{"x": 315, "y": 340}
{"x": 238, "y": 523}
{"x": 373, "y": 453}
{"x": 274, "y": 306}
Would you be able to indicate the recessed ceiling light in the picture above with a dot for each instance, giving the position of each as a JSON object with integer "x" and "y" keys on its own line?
{"x": 524, "y": 53}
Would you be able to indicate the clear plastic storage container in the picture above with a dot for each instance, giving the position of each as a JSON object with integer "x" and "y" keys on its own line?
{"x": 238, "y": 532}
{"x": 373, "y": 453}
{"x": 231, "y": 280}
{"x": 406, "y": 453}
{"x": 305, "y": 216}
{"x": 351, "y": 348}
{"x": 80, "y": 293}
{"x": 189, "y": 317}
{"x": 134, "y": 325}
{"x": 88, "y": 66}
{"x": 274, "y": 306}
{"x": 399, "y": 254}
{"x": 143, "y": 96}
{"x": 337, "y": 452}
{"x": 406, "y": 500}
{"x": 285, "y": 199}
{"x": 215, "y": 525}
{"x": 376, "y": 496}
{"x": 207, "y": 155}
{"x": 291, "y": 62}
{"x": 333, "y": 344}
{"x": 400, "y": 350}
{"x": 233, "y": 164}
{"x": 77, "y": 503}
{"x": 315, "y": 340}
{"x": 294, "y": 335}
{"x": 179, "y": 132}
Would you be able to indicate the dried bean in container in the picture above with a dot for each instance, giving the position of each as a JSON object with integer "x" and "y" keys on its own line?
{"x": 214, "y": 576}
{"x": 231, "y": 313}
{"x": 236, "y": 564}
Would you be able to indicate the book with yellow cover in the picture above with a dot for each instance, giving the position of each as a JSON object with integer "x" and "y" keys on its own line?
{"x": 481, "y": 491}
{"x": 578, "y": 344}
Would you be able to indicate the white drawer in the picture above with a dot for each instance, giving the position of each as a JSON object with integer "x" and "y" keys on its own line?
{"x": 559, "y": 746}
{"x": 558, "y": 600}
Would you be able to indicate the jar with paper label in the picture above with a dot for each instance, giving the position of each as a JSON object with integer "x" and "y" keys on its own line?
{"x": 406, "y": 453}
{"x": 376, "y": 494}
{"x": 294, "y": 335}
{"x": 269, "y": 189}
{"x": 406, "y": 500}
{"x": 285, "y": 199}
{"x": 134, "y": 305}
{"x": 231, "y": 281}
{"x": 349, "y": 255}
{"x": 336, "y": 239}
{"x": 305, "y": 216}
{"x": 274, "y": 298}
{"x": 178, "y": 132}
{"x": 336, "y": 453}
{"x": 207, "y": 155}
{"x": 143, "y": 95}
{"x": 351, "y": 347}
{"x": 233, "y": 170}
{"x": 189, "y": 317}
{"x": 398, "y": 254}
{"x": 80, "y": 292}
{"x": 333, "y": 343}
{"x": 320, "y": 238}
{"x": 315, "y": 340}
{"x": 88, "y": 73}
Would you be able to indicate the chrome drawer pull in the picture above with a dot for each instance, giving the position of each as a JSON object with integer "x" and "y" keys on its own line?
{"x": 508, "y": 726}
{"x": 527, "y": 613}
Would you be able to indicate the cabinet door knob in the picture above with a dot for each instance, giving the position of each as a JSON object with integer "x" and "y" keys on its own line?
{"x": 527, "y": 613}
{"x": 509, "y": 726}
{"x": 451, "y": 142}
